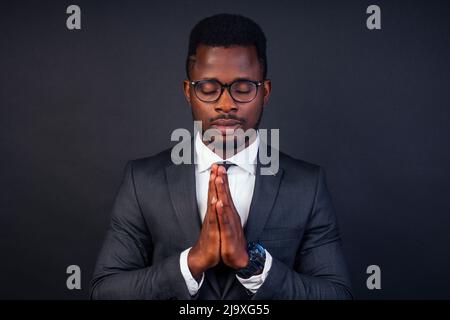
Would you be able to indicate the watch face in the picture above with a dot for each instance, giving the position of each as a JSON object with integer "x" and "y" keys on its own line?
{"x": 256, "y": 250}
{"x": 257, "y": 259}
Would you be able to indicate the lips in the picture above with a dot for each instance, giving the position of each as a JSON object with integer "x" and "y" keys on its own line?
{"x": 226, "y": 126}
{"x": 226, "y": 122}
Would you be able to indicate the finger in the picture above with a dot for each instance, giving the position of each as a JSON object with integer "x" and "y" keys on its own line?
{"x": 225, "y": 225}
{"x": 214, "y": 168}
{"x": 221, "y": 214}
{"x": 222, "y": 193}
{"x": 213, "y": 175}
{"x": 210, "y": 207}
{"x": 221, "y": 172}
{"x": 211, "y": 187}
{"x": 211, "y": 216}
{"x": 213, "y": 221}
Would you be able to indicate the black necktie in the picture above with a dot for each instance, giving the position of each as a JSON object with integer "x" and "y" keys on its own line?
{"x": 226, "y": 164}
{"x": 221, "y": 270}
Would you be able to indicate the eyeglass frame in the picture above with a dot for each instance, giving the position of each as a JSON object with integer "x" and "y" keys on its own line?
{"x": 228, "y": 87}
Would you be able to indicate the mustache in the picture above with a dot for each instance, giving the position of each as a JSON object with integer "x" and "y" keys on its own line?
{"x": 228, "y": 117}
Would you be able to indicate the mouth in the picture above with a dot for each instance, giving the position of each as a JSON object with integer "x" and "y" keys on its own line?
{"x": 226, "y": 126}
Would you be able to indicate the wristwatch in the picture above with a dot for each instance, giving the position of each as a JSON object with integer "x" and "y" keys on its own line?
{"x": 256, "y": 261}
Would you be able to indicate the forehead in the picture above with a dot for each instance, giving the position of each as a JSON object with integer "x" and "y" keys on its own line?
{"x": 226, "y": 64}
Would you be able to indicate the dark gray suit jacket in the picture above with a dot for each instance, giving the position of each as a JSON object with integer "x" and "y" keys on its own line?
{"x": 155, "y": 217}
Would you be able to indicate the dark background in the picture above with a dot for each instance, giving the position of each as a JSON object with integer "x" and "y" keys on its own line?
{"x": 372, "y": 107}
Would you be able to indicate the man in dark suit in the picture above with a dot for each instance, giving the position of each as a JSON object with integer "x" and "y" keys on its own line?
{"x": 218, "y": 229}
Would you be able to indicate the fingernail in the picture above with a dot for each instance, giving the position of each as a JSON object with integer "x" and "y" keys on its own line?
{"x": 214, "y": 199}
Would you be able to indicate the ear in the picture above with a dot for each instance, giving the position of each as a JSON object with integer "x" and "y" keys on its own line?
{"x": 187, "y": 91}
{"x": 267, "y": 89}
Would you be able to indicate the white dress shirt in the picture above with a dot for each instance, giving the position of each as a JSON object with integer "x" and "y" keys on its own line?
{"x": 241, "y": 180}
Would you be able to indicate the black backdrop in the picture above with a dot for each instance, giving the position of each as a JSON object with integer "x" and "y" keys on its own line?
{"x": 372, "y": 107}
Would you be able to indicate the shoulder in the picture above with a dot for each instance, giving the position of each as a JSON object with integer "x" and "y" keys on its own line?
{"x": 151, "y": 164}
{"x": 290, "y": 162}
{"x": 299, "y": 169}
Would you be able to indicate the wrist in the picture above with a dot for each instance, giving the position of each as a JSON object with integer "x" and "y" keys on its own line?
{"x": 196, "y": 267}
{"x": 256, "y": 261}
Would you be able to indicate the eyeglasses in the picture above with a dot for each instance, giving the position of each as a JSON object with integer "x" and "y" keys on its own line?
{"x": 211, "y": 90}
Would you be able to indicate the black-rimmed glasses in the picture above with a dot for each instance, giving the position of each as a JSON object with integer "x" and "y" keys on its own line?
{"x": 211, "y": 90}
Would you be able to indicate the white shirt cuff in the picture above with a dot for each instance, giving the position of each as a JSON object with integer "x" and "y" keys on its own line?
{"x": 192, "y": 284}
{"x": 255, "y": 282}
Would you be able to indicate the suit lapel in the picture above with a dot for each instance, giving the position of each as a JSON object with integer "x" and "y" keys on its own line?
{"x": 265, "y": 193}
{"x": 181, "y": 184}
{"x": 264, "y": 196}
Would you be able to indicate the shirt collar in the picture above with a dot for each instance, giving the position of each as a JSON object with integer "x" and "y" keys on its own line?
{"x": 245, "y": 159}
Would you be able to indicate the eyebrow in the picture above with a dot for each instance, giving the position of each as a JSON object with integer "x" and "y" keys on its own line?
{"x": 235, "y": 79}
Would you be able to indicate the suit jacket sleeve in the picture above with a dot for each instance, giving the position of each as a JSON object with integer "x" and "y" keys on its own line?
{"x": 320, "y": 270}
{"x": 124, "y": 268}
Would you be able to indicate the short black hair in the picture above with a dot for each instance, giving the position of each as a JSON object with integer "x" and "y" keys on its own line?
{"x": 225, "y": 30}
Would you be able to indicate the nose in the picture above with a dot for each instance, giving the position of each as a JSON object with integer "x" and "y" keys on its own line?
{"x": 226, "y": 103}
